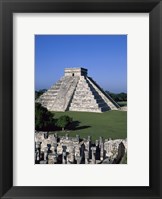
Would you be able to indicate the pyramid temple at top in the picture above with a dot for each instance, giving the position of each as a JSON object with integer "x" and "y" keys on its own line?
{"x": 75, "y": 91}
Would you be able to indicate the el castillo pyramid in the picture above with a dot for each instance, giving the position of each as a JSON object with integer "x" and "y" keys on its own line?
{"x": 75, "y": 91}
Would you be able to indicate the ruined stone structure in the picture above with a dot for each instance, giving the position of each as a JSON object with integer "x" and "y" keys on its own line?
{"x": 53, "y": 149}
{"x": 75, "y": 91}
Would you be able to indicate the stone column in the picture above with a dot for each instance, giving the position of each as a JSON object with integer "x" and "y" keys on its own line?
{"x": 78, "y": 158}
{"x": 78, "y": 138}
{"x": 64, "y": 161}
{"x": 93, "y": 155}
{"x": 72, "y": 154}
{"x": 86, "y": 153}
{"x": 54, "y": 148}
{"x": 66, "y": 136}
{"x": 100, "y": 140}
{"x": 63, "y": 157}
{"x": 38, "y": 147}
{"x": 38, "y": 155}
{"x": 77, "y": 150}
{"x": 97, "y": 143}
{"x": 46, "y": 153}
{"x": 102, "y": 151}
{"x": 89, "y": 138}
{"x": 89, "y": 145}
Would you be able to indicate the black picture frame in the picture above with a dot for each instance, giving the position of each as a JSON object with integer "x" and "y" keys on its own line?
{"x": 7, "y": 8}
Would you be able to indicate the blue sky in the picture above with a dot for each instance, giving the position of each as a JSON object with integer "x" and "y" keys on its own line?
{"x": 105, "y": 57}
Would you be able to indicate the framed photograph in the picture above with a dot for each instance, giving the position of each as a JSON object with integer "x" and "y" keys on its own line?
{"x": 80, "y": 99}
{"x": 70, "y": 116}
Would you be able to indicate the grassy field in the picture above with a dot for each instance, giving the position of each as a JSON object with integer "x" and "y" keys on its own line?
{"x": 110, "y": 124}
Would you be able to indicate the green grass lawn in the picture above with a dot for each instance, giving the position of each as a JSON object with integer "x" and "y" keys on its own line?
{"x": 110, "y": 124}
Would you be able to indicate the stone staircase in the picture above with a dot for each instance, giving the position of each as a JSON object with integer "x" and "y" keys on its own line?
{"x": 58, "y": 97}
{"x": 86, "y": 98}
{"x": 64, "y": 96}
{"x": 48, "y": 98}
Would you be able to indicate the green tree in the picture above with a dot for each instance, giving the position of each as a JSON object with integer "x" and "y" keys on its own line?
{"x": 43, "y": 118}
{"x": 118, "y": 97}
{"x": 63, "y": 121}
{"x": 39, "y": 93}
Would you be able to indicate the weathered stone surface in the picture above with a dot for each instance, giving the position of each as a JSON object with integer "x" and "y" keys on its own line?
{"x": 75, "y": 91}
{"x": 75, "y": 150}
{"x": 124, "y": 108}
{"x": 111, "y": 147}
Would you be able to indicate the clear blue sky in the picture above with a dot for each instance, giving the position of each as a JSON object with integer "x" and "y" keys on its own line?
{"x": 105, "y": 57}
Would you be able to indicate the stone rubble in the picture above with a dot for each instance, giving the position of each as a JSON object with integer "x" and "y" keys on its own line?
{"x": 53, "y": 149}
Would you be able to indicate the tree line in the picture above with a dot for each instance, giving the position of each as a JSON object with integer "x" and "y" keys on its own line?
{"x": 118, "y": 97}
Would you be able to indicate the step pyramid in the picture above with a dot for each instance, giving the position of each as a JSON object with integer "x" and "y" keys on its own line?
{"x": 75, "y": 91}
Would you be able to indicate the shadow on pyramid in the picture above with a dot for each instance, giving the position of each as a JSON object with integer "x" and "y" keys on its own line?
{"x": 75, "y": 91}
